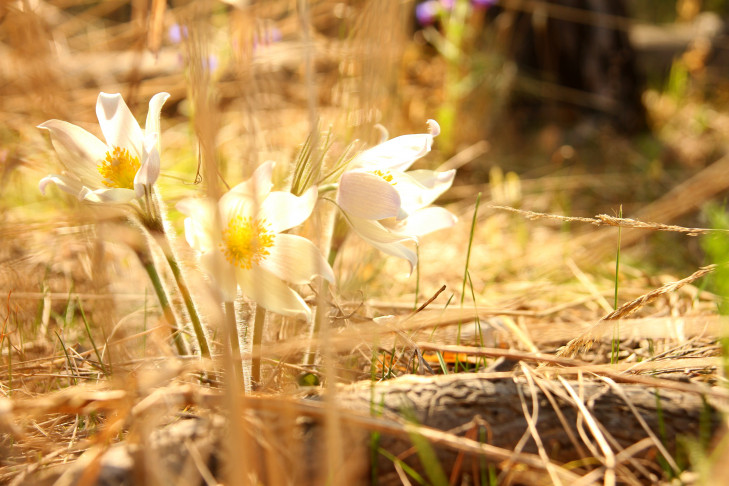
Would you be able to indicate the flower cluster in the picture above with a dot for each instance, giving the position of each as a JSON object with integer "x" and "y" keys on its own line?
{"x": 241, "y": 239}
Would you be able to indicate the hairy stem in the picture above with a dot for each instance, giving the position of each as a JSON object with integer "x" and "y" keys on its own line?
{"x": 258, "y": 322}
{"x": 186, "y": 297}
{"x": 232, "y": 331}
{"x": 144, "y": 255}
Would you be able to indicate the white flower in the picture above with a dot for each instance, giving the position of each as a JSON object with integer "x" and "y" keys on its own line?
{"x": 123, "y": 168}
{"x": 245, "y": 247}
{"x": 387, "y": 206}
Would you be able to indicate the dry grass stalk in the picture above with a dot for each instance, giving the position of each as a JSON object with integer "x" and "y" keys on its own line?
{"x": 606, "y": 220}
{"x": 656, "y": 441}
{"x": 584, "y": 342}
{"x": 531, "y": 422}
{"x": 608, "y": 455}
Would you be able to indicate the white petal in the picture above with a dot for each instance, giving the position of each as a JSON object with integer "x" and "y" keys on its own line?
{"x": 367, "y": 196}
{"x": 221, "y": 272}
{"x": 296, "y": 260}
{"x": 247, "y": 197}
{"x": 426, "y": 220}
{"x": 155, "y": 107}
{"x": 397, "y": 250}
{"x": 375, "y": 231}
{"x": 64, "y": 182}
{"x": 396, "y": 154}
{"x": 201, "y": 229}
{"x": 283, "y": 210}
{"x": 198, "y": 236}
{"x": 383, "y": 239}
{"x": 270, "y": 292}
{"x": 118, "y": 125}
{"x": 113, "y": 195}
{"x": 419, "y": 188}
{"x": 198, "y": 208}
{"x": 79, "y": 151}
{"x": 149, "y": 170}
{"x": 433, "y": 128}
{"x": 384, "y": 134}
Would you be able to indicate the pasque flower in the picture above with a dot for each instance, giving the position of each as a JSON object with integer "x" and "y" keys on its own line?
{"x": 241, "y": 243}
{"x": 118, "y": 171}
{"x": 387, "y": 206}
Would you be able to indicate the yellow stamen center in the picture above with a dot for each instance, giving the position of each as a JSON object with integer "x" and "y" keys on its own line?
{"x": 385, "y": 175}
{"x": 246, "y": 241}
{"x": 119, "y": 168}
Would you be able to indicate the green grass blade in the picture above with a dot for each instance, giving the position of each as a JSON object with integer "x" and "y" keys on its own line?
{"x": 73, "y": 380}
{"x": 465, "y": 270}
{"x": 91, "y": 338}
{"x": 468, "y": 251}
{"x": 441, "y": 361}
{"x": 428, "y": 459}
{"x": 615, "y": 353}
{"x": 405, "y": 467}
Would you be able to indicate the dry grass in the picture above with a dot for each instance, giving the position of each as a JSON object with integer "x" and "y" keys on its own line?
{"x": 537, "y": 310}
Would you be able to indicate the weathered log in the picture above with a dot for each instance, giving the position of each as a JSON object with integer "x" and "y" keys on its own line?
{"x": 471, "y": 406}
{"x": 450, "y": 402}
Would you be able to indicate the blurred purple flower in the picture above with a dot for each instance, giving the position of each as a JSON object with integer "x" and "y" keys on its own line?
{"x": 212, "y": 62}
{"x": 177, "y": 33}
{"x": 270, "y": 36}
{"x": 427, "y": 12}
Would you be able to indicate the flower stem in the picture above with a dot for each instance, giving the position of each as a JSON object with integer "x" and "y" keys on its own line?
{"x": 145, "y": 258}
{"x": 319, "y": 314}
{"x": 232, "y": 331}
{"x": 151, "y": 217}
{"x": 258, "y": 323}
{"x": 185, "y": 292}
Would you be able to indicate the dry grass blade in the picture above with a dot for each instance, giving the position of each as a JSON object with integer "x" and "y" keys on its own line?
{"x": 532, "y": 422}
{"x": 609, "y": 456}
{"x": 630, "y": 307}
{"x": 656, "y": 441}
{"x": 606, "y": 220}
{"x": 574, "y": 366}
{"x": 588, "y": 339}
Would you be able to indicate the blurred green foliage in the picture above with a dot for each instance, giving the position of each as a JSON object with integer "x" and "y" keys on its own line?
{"x": 716, "y": 247}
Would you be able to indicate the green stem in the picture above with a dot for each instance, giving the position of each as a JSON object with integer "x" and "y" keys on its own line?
{"x": 615, "y": 355}
{"x": 315, "y": 328}
{"x": 152, "y": 219}
{"x": 232, "y": 330}
{"x": 145, "y": 258}
{"x": 185, "y": 292}
{"x": 258, "y": 323}
{"x": 417, "y": 276}
{"x": 323, "y": 189}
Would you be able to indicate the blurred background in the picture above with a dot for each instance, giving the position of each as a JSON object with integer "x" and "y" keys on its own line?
{"x": 571, "y": 107}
